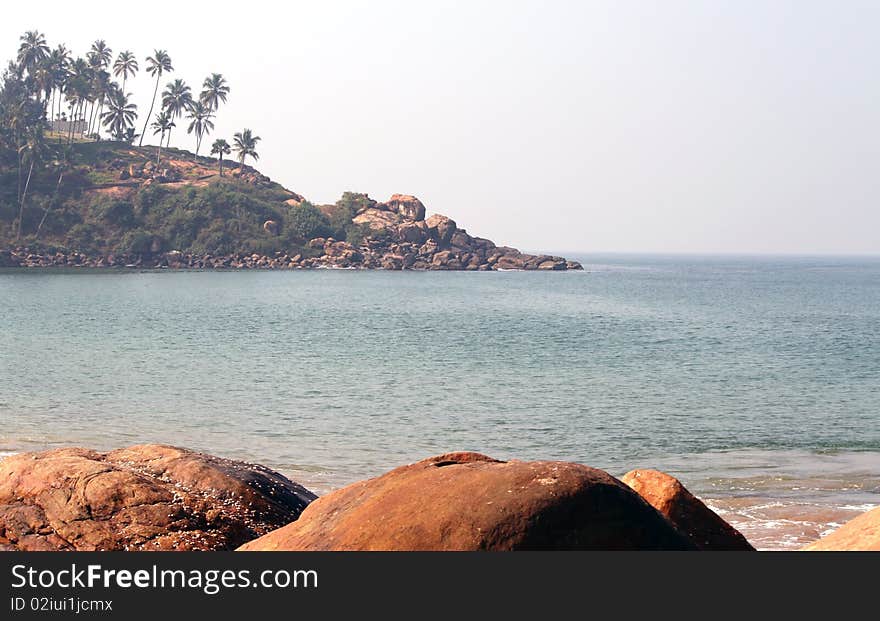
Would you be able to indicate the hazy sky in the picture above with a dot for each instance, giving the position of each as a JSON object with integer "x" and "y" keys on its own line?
{"x": 673, "y": 126}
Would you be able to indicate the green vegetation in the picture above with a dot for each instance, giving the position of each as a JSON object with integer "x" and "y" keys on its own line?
{"x": 65, "y": 187}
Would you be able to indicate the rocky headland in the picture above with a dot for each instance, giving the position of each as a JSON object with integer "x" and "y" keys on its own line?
{"x": 116, "y": 207}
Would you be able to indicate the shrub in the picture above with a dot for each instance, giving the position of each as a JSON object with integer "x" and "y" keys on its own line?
{"x": 115, "y": 212}
{"x": 81, "y": 236}
{"x": 137, "y": 241}
{"x": 307, "y": 222}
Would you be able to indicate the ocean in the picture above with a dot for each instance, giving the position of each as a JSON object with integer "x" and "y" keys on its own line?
{"x": 755, "y": 380}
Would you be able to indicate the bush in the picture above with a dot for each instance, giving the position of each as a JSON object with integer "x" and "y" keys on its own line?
{"x": 113, "y": 212}
{"x": 307, "y": 222}
{"x": 137, "y": 241}
{"x": 214, "y": 239}
{"x": 356, "y": 233}
{"x": 81, "y": 236}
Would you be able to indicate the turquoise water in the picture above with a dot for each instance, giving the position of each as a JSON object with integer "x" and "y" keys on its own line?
{"x": 725, "y": 371}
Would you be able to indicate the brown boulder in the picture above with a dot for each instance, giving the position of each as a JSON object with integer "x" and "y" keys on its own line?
{"x": 441, "y": 228}
{"x": 467, "y": 501}
{"x": 687, "y": 512}
{"x": 149, "y": 497}
{"x": 412, "y": 233}
{"x": 407, "y": 206}
{"x": 271, "y": 227}
{"x": 861, "y": 533}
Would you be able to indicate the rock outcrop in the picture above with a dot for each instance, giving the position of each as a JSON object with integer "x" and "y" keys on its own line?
{"x": 687, "y": 512}
{"x": 148, "y": 497}
{"x": 861, "y": 533}
{"x": 401, "y": 238}
{"x": 467, "y": 501}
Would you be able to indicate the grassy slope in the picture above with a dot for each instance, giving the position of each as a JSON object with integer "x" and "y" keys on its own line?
{"x": 95, "y": 211}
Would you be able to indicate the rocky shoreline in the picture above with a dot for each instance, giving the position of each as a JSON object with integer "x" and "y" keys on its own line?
{"x": 400, "y": 238}
{"x": 158, "y": 497}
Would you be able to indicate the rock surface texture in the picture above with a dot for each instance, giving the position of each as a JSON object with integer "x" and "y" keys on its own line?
{"x": 687, "y": 512}
{"x": 861, "y": 533}
{"x": 148, "y": 497}
{"x": 467, "y": 501}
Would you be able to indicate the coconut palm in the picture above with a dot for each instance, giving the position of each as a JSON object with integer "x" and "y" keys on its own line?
{"x": 200, "y": 122}
{"x": 33, "y": 150}
{"x": 157, "y": 64}
{"x": 120, "y": 115}
{"x": 176, "y": 98}
{"x": 126, "y": 65}
{"x": 102, "y": 88}
{"x": 60, "y": 58}
{"x": 77, "y": 92}
{"x": 32, "y": 50}
{"x": 161, "y": 125}
{"x": 100, "y": 54}
{"x": 44, "y": 80}
{"x": 220, "y": 148}
{"x": 214, "y": 91}
{"x": 245, "y": 145}
{"x": 129, "y": 136}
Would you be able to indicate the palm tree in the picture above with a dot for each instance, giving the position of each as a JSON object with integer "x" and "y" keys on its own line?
{"x": 221, "y": 148}
{"x": 102, "y": 88}
{"x": 201, "y": 122}
{"x": 44, "y": 80}
{"x": 157, "y": 64}
{"x": 129, "y": 136}
{"x": 33, "y": 149}
{"x": 126, "y": 65}
{"x": 214, "y": 91}
{"x": 120, "y": 115}
{"x": 32, "y": 50}
{"x": 245, "y": 145}
{"x": 176, "y": 98}
{"x": 78, "y": 91}
{"x": 60, "y": 61}
{"x": 162, "y": 124}
{"x": 100, "y": 54}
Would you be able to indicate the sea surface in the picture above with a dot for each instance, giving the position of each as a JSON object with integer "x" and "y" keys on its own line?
{"x": 755, "y": 380}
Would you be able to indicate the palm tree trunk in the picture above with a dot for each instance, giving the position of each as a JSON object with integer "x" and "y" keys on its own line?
{"x": 91, "y": 119}
{"x": 159, "y": 152}
{"x": 49, "y": 208}
{"x": 98, "y": 118}
{"x": 23, "y": 196}
{"x": 150, "y": 113}
{"x": 19, "y": 172}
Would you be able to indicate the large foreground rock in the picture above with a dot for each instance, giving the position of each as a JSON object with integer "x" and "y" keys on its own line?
{"x": 861, "y": 533}
{"x": 687, "y": 512}
{"x": 149, "y": 497}
{"x": 467, "y": 501}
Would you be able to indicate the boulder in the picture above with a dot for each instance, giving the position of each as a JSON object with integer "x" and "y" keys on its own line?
{"x": 7, "y": 259}
{"x": 271, "y": 227}
{"x": 687, "y": 512}
{"x": 441, "y": 228}
{"x": 861, "y": 533}
{"x": 467, "y": 501}
{"x": 148, "y": 497}
{"x": 407, "y": 206}
{"x": 413, "y": 233}
{"x": 378, "y": 219}
{"x": 552, "y": 264}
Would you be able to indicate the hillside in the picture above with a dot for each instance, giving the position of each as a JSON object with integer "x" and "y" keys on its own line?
{"x": 111, "y": 204}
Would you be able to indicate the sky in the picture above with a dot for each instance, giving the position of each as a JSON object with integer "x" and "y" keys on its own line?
{"x": 682, "y": 126}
